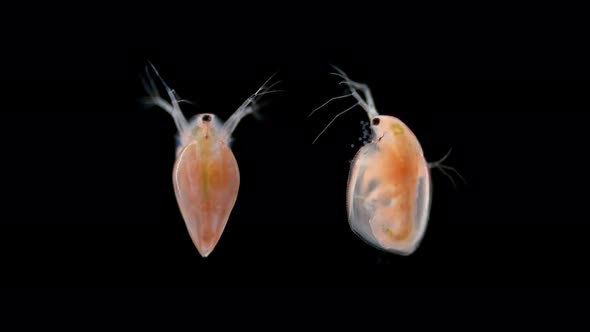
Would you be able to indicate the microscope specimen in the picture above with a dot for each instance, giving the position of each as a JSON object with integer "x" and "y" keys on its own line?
{"x": 389, "y": 186}
{"x": 206, "y": 176}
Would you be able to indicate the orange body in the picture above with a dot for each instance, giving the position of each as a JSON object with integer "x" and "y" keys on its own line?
{"x": 206, "y": 176}
{"x": 389, "y": 188}
{"x": 206, "y": 182}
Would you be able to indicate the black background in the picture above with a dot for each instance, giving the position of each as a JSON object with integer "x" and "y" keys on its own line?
{"x": 89, "y": 199}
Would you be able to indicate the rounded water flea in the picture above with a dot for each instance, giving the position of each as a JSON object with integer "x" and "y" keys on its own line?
{"x": 389, "y": 186}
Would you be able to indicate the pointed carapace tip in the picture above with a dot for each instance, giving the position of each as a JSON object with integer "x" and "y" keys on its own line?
{"x": 205, "y": 252}
{"x": 205, "y": 248}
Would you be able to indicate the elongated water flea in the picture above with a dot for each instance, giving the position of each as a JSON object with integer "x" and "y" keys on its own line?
{"x": 206, "y": 177}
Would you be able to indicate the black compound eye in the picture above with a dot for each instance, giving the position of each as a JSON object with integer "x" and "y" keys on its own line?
{"x": 207, "y": 117}
{"x": 376, "y": 121}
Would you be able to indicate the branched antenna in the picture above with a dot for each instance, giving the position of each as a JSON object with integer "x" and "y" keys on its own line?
{"x": 353, "y": 87}
{"x": 248, "y": 107}
{"x": 367, "y": 103}
{"x": 438, "y": 164}
{"x": 337, "y": 115}
{"x": 155, "y": 99}
{"x": 326, "y": 103}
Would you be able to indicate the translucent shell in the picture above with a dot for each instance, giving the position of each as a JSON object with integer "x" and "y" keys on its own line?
{"x": 205, "y": 176}
{"x": 389, "y": 189}
{"x": 206, "y": 182}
